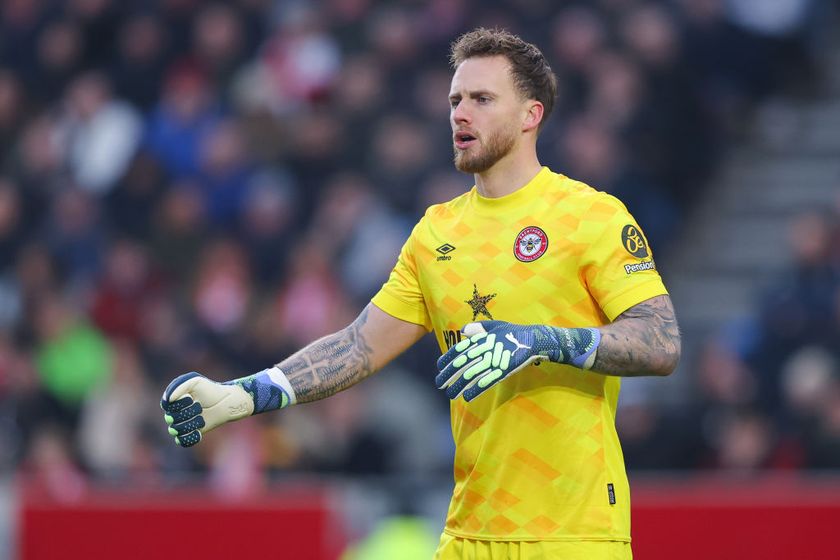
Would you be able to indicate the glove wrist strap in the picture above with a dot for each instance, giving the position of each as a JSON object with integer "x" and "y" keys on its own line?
{"x": 576, "y": 347}
{"x": 269, "y": 388}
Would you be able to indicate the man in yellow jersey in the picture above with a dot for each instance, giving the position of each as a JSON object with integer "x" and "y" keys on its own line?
{"x": 529, "y": 273}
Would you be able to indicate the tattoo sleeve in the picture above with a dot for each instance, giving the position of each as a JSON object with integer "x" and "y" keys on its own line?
{"x": 644, "y": 340}
{"x": 330, "y": 364}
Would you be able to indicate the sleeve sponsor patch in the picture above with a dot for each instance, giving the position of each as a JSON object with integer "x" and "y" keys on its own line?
{"x": 639, "y": 267}
{"x": 634, "y": 241}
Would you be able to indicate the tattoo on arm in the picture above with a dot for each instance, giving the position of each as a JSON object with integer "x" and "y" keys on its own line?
{"x": 644, "y": 340}
{"x": 330, "y": 364}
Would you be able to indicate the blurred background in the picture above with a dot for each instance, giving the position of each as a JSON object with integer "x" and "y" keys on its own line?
{"x": 190, "y": 185}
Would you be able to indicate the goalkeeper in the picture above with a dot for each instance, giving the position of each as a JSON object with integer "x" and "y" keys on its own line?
{"x": 547, "y": 297}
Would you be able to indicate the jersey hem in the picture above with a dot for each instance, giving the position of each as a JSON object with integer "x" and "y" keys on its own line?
{"x": 508, "y": 538}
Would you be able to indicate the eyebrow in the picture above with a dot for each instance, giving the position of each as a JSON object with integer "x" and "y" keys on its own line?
{"x": 473, "y": 94}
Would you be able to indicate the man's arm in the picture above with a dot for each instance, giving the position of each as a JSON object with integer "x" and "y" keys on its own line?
{"x": 644, "y": 340}
{"x": 338, "y": 361}
{"x": 194, "y": 405}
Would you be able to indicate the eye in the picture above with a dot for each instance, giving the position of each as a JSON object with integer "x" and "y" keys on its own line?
{"x": 483, "y": 99}
{"x": 453, "y": 103}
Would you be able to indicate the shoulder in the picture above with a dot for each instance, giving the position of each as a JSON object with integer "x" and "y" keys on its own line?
{"x": 443, "y": 214}
{"x": 585, "y": 199}
{"x": 436, "y": 219}
{"x": 447, "y": 209}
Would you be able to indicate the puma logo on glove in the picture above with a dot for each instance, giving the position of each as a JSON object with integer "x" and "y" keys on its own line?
{"x": 495, "y": 350}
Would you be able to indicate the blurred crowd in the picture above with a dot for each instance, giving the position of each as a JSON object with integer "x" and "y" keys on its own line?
{"x": 189, "y": 185}
{"x": 766, "y": 388}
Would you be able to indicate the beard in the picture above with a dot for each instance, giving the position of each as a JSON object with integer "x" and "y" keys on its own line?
{"x": 486, "y": 153}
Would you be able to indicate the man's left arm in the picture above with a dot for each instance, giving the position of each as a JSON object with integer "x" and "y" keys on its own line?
{"x": 644, "y": 340}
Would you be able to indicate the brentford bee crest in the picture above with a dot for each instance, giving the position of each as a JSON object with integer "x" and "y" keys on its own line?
{"x": 530, "y": 244}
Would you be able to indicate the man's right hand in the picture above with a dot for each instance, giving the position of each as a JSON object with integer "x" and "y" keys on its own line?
{"x": 194, "y": 405}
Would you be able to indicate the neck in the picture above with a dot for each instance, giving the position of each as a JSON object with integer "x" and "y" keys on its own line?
{"x": 508, "y": 175}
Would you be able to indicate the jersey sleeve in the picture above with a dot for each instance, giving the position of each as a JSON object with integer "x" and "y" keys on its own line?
{"x": 402, "y": 296}
{"x": 618, "y": 266}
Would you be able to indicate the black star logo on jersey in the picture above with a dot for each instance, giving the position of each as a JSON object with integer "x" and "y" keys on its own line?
{"x": 479, "y": 304}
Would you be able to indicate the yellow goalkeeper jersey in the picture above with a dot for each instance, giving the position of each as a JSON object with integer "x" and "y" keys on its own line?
{"x": 537, "y": 456}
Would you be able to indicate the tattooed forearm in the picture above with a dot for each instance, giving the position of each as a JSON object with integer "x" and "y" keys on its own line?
{"x": 644, "y": 340}
{"x": 331, "y": 364}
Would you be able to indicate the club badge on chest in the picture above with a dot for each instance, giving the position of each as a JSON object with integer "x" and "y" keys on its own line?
{"x": 530, "y": 244}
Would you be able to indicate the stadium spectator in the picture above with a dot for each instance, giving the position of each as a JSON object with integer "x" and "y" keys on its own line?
{"x": 101, "y": 133}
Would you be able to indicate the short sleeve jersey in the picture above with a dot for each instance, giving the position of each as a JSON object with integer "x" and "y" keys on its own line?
{"x": 537, "y": 455}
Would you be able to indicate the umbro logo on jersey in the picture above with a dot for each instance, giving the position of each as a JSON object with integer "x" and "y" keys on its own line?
{"x": 444, "y": 251}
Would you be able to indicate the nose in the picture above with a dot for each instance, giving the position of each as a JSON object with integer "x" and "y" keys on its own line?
{"x": 460, "y": 115}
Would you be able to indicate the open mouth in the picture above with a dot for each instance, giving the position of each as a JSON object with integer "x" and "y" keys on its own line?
{"x": 463, "y": 140}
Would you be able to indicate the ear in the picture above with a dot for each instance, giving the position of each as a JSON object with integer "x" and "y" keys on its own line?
{"x": 533, "y": 116}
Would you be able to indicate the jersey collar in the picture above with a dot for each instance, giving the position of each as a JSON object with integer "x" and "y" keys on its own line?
{"x": 484, "y": 204}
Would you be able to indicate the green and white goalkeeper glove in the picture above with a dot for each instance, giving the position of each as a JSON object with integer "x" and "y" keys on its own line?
{"x": 194, "y": 405}
{"x": 495, "y": 350}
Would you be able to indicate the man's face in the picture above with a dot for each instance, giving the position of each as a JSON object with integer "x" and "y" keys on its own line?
{"x": 486, "y": 112}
